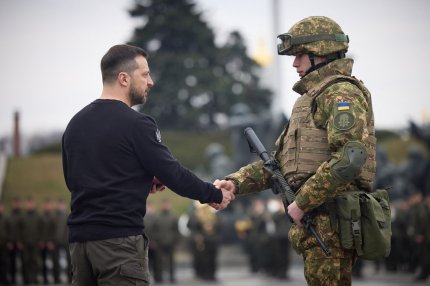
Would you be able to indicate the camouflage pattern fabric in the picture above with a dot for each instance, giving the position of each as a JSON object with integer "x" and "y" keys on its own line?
{"x": 317, "y": 25}
{"x": 250, "y": 178}
{"x": 322, "y": 186}
{"x": 323, "y": 271}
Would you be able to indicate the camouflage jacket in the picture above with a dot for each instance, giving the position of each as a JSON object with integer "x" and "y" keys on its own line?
{"x": 321, "y": 185}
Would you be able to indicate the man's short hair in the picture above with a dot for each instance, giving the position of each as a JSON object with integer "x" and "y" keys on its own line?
{"x": 120, "y": 58}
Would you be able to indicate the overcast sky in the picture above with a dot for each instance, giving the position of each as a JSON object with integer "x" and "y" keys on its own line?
{"x": 51, "y": 49}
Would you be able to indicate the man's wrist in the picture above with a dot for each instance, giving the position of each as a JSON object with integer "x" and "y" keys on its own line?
{"x": 235, "y": 184}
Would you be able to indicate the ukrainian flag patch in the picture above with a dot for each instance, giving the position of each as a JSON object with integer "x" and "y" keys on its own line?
{"x": 343, "y": 106}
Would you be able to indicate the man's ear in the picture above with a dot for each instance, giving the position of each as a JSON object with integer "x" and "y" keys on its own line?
{"x": 123, "y": 79}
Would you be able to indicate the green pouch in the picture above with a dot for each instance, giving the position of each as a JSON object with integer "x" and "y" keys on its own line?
{"x": 376, "y": 224}
{"x": 365, "y": 223}
{"x": 349, "y": 223}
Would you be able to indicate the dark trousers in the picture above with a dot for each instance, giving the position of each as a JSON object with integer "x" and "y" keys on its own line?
{"x": 31, "y": 263}
{"x": 4, "y": 265}
{"x": 116, "y": 261}
{"x": 165, "y": 261}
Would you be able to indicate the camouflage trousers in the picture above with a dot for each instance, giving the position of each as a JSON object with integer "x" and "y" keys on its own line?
{"x": 331, "y": 271}
{"x": 319, "y": 268}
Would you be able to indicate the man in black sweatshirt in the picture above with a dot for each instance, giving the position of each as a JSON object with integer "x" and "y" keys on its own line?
{"x": 111, "y": 154}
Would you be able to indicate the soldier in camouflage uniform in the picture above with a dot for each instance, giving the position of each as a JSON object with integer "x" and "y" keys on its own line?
{"x": 15, "y": 245}
{"x": 204, "y": 226}
{"x": 32, "y": 243}
{"x": 48, "y": 239}
{"x": 327, "y": 148}
{"x": 420, "y": 232}
{"x": 166, "y": 234}
{"x": 61, "y": 240}
{"x": 4, "y": 239}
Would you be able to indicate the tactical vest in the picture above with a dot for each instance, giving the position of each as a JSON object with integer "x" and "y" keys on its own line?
{"x": 306, "y": 146}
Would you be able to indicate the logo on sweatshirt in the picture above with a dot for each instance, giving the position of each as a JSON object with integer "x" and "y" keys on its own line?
{"x": 158, "y": 135}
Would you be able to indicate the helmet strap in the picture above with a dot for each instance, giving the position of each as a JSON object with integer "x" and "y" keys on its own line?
{"x": 328, "y": 58}
{"x": 312, "y": 59}
{"x": 313, "y": 65}
{"x": 334, "y": 56}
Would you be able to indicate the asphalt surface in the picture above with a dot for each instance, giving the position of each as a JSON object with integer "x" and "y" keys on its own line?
{"x": 233, "y": 271}
{"x": 240, "y": 276}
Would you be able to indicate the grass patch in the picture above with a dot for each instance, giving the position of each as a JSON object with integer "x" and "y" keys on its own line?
{"x": 41, "y": 175}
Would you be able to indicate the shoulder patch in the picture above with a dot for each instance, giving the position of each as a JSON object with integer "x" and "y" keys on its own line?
{"x": 344, "y": 120}
{"x": 158, "y": 135}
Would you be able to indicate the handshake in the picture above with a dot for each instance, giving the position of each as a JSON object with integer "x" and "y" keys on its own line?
{"x": 228, "y": 190}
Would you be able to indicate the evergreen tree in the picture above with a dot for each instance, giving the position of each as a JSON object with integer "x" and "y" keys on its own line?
{"x": 196, "y": 82}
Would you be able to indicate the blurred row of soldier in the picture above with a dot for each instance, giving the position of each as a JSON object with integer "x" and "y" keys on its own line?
{"x": 408, "y": 186}
{"x": 166, "y": 229}
{"x": 33, "y": 244}
{"x": 262, "y": 230}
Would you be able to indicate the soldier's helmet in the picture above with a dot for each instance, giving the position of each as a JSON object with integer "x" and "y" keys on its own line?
{"x": 317, "y": 35}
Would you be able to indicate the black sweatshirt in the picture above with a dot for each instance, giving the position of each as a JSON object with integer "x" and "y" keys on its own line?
{"x": 110, "y": 155}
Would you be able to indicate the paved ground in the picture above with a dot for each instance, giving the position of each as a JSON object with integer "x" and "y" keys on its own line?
{"x": 239, "y": 276}
{"x": 233, "y": 271}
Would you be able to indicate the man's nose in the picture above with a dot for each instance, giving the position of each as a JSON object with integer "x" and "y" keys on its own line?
{"x": 150, "y": 82}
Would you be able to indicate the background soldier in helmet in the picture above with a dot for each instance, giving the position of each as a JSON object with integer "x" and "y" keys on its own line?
{"x": 32, "y": 242}
{"x": 4, "y": 239}
{"x": 204, "y": 227}
{"x": 166, "y": 235}
{"x": 15, "y": 245}
{"x": 332, "y": 118}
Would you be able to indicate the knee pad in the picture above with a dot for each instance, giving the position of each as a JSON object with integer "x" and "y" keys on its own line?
{"x": 348, "y": 166}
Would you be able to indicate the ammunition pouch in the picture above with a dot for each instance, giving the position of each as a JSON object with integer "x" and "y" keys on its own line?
{"x": 364, "y": 223}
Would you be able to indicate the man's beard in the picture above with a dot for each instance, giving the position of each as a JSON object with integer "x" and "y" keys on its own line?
{"x": 136, "y": 97}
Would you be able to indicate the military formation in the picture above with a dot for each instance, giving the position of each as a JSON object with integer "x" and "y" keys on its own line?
{"x": 327, "y": 152}
{"x": 409, "y": 191}
{"x": 263, "y": 233}
{"x": 33, "y": 243}
{"x": 260, "y": 229}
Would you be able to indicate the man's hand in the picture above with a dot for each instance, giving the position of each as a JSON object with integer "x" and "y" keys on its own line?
{"x": 225, "y": 184}
{"x": 227, "y": 188}
{"x": 295, "y": 213}
{"x": 157, "y": 186}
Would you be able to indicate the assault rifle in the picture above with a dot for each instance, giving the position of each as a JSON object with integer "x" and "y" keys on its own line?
{"x": 280, "y": 185}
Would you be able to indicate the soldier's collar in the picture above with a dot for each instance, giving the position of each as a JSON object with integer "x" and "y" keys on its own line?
{"x": 341, "y": 66}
